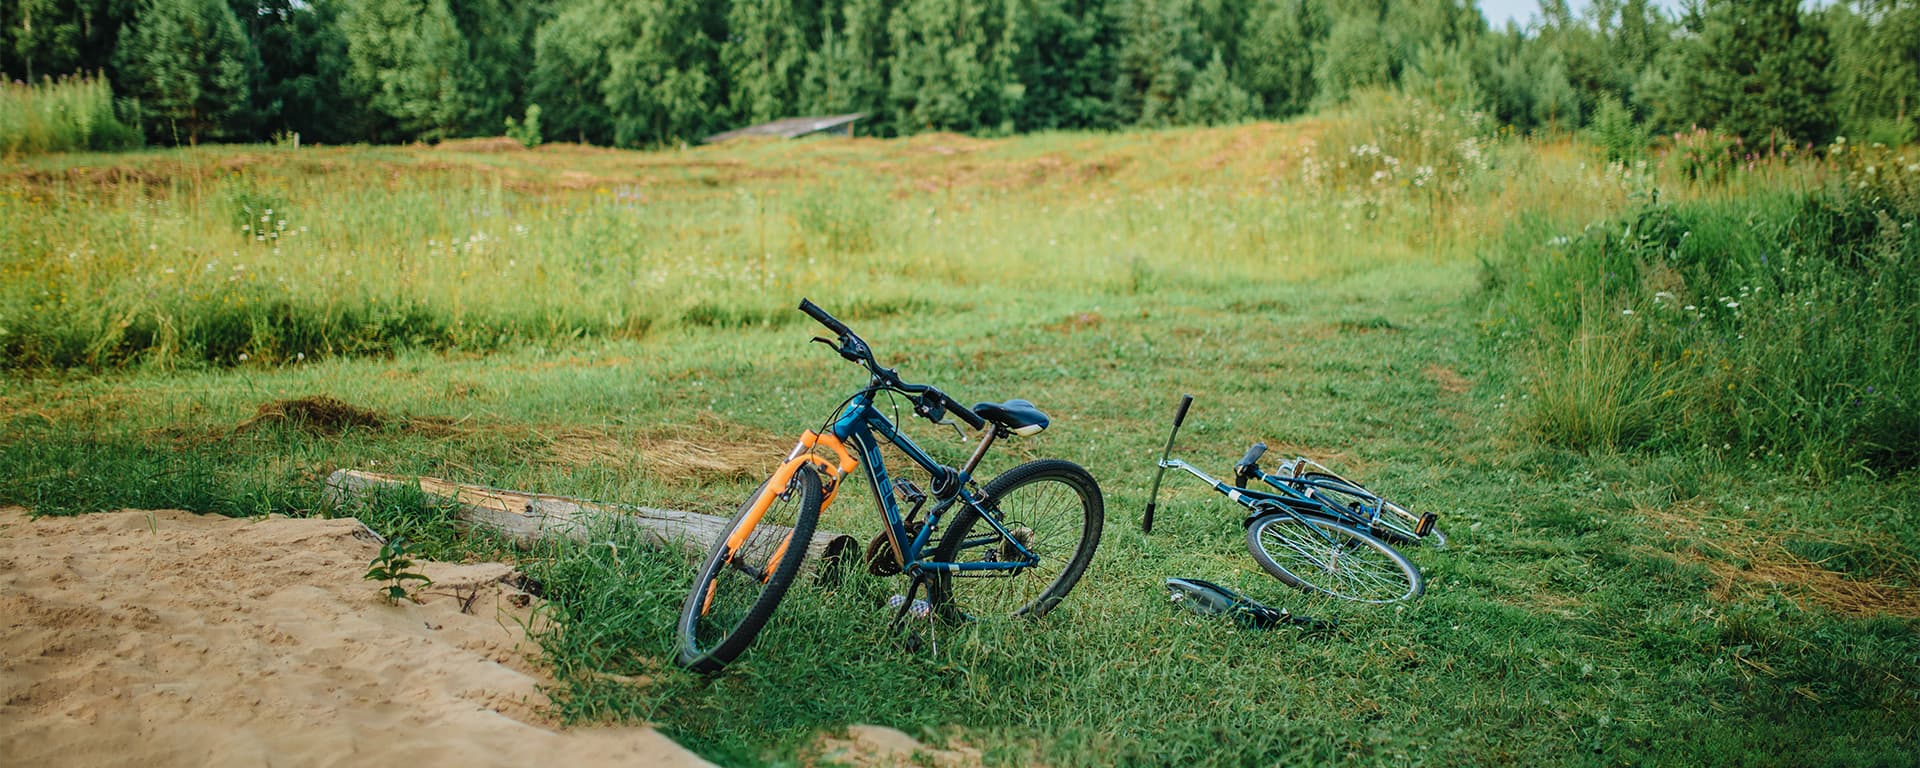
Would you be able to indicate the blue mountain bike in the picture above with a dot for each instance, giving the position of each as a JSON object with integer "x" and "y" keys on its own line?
{"x": 1313, "y": 529}
{"x": 1013, "y": 547}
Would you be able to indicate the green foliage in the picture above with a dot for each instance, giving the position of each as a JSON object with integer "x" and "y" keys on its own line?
{"x": 1214, "y": 99}
{"x": 1768, "y": 325}
{"x": 52, "y": 39}
{"x": 1354, "y": 56}
{"x": 951, "y": 65}
{"x": 187, "y": 69}
{"x": 63, "y": 115}
{"x": 527, "y": 131}
{"x": 663, "y": 74}
{"x": 764, "y": 58}
{"x": 847, "y": 72}
{"x": 1158, "y": 45}
{"x": 1063, "y": 61}
{"x": 409, "y": 60}
{"x": 570, "y": 71}
{"x": 394, "y": 566}
{"x": 1615, "y": 130}
{"x": 1876, "y": 69}
{"x": 1755, "y": 69}
{"x": 1277, "y": 60}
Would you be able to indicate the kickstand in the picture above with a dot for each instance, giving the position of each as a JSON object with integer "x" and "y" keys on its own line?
{"x": 907, "y": 606}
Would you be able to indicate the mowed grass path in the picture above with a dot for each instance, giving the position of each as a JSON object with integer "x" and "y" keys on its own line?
{"x": 1697, "y": 609}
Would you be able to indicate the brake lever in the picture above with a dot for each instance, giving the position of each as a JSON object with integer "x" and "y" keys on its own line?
{"x": 831, "y": 344}
{"x": 956, "y": 428}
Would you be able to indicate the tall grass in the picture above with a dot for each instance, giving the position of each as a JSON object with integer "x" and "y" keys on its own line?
{"x": 64, "y": 115}
{"x": 219, "y": 257}
{"x": 1770, "y": 323}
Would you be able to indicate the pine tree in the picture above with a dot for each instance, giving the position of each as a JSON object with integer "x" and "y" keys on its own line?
{"x": 847, "y": 72}
{"x": 1214, "y": 99}
{"x": 1353, "y": 56}
{"x": 53, "y": 38}
{"x": 951, "y": 65}
{"x": 409, "y": 61}
{"x": 184, "y": 65}
{"x": 1752, "y": 68}
{"x": 570, "y": 68}
{"x": 1159, "y": 42}
{"x": 664, "y": 73}
{"x": 1064, "y": 65}
{"x": 1876, "y": 69}
{"x": 765, "y": 58}
{"x": 1276, "y": 62}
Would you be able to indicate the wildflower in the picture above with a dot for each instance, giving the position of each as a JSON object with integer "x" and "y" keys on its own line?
{"x": 1626, "y": 311}
{"x": 243, "y": 357}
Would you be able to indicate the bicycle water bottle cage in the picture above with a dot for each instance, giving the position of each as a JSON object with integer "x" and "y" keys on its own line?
{"x": 1016, "y": 416}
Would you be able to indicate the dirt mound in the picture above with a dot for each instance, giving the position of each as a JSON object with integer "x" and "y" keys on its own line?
{"x": 167, "y": 638}
{"x": 315, "y": 413}
{"x": 484, "y": 144}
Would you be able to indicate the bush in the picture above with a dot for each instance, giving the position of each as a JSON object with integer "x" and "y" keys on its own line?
{"x": 1779, "y": 323}
{"x": 65, "y": 115}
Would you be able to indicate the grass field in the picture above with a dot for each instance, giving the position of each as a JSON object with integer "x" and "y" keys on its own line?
{"x": 584, "y": 322}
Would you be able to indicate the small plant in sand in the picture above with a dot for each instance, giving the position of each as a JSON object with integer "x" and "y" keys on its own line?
{"x": 394, "y": 567}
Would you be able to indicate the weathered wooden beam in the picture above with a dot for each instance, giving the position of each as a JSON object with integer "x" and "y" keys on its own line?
{"x": 527, "y": 518}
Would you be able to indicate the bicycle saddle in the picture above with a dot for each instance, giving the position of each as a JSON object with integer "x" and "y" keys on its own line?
{"x": 1017, "y": 416}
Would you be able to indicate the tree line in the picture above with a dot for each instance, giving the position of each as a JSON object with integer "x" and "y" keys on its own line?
{"x": 652, "y": 72}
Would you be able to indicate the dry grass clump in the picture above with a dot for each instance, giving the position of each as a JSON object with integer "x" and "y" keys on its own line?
{"x": 320, "y": 414}
{"x": 1746, "y": 559}
{"x": 709, "y": 448}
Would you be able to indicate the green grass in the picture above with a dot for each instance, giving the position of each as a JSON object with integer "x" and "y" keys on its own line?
{"x": 1780, "y": 322}
{"x": 65, "y": 115}
{"x": 1657, "y": 602}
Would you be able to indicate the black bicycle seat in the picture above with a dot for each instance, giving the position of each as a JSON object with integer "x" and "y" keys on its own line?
{"x": 1017, "y": 416}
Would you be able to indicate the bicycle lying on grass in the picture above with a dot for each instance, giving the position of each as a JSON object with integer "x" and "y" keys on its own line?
{"x": 1316, "y": 530}
{"x": 1013, "y": 547}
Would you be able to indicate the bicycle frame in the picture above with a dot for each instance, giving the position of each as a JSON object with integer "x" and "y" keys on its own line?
{"x": 858, "y": 425}
{"x": 1260, "y": 503}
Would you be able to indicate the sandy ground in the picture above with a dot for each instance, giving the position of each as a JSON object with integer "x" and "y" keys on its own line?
{"x": 172, "y": 639}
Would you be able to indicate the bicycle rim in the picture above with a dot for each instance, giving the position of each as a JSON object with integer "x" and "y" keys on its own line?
{"x": 1332, "y": 558}
{"x": 735, "y": 591}
{"x": 1054, "y": 509}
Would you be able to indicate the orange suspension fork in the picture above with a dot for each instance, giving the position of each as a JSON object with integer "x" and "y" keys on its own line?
{"x": 801, "y": 455}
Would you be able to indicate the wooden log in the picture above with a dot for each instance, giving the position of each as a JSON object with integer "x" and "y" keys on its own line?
{"x": 527, "y": 518}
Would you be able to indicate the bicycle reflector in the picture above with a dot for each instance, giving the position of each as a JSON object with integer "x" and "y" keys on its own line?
{"x": 1425, "y": 526}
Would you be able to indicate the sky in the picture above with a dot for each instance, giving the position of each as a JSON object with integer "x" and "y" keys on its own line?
{"x": 1522, "y": 11}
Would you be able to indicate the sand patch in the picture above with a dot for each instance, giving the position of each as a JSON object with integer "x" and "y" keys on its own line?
{"x": 167, "y": 638}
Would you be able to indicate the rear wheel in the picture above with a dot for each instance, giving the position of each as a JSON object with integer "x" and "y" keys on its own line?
{"x": 736, "y": 588}
{"x": 1320, "y": 555}
{"x": 1053, "y": 509}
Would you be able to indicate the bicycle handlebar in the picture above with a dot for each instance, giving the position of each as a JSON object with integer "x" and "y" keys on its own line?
{"x": 854, "y": 348}
{"x": 814, "y": 311}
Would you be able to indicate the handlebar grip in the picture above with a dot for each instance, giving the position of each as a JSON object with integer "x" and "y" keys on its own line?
{"x": 966, "y": 414}
{"x": 814, "y": 311}
{"x": 1180, "y": 415}
{"x": 1253, "y": 455}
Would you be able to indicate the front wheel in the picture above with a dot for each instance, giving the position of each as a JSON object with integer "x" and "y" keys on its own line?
{"x": 748, "y": 571}
{"x": 1053, "y": 509}
{"x": 1320, "y": 555}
